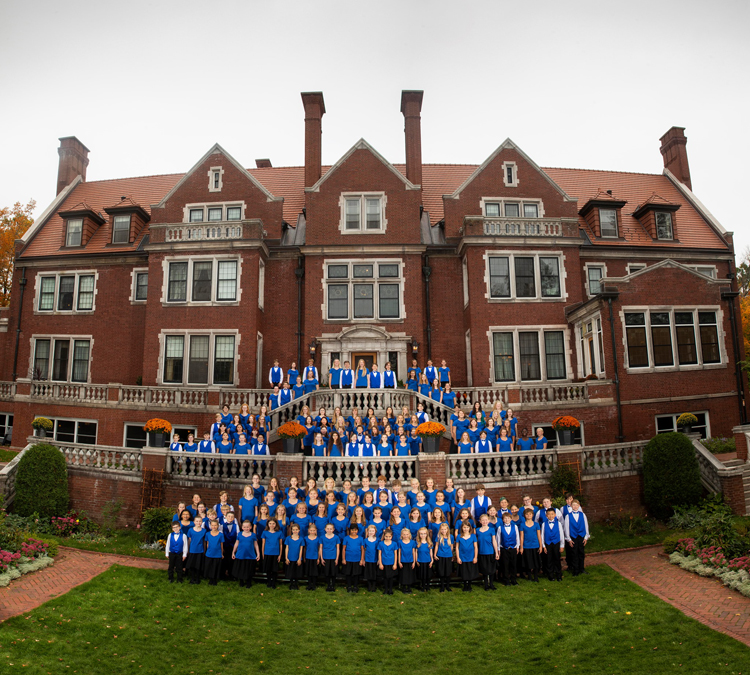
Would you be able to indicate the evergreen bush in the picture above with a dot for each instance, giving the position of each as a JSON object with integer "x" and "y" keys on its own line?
{"x": 157, "y": 523}
{"x": 671, "y": 476}
{"x": 42, "y": 482}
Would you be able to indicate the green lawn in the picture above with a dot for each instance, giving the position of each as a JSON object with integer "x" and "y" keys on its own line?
{"x": 605, "y": 538}
{"x": 133, "y": 621}
{"x": 125, "y": 542}
{"x": 7, "y": 455}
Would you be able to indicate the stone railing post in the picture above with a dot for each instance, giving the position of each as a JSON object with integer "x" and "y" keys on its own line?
{"x": 740, "y": 433}
{"x": 154, "y": 458}
{"x": 288, "y": 466}
{"x": 431, "y": 466}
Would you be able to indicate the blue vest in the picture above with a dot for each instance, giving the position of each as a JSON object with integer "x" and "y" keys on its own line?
{"x": 176, "y": 546}
{"x": 576, "y": 529}
{"x": 285, "y": 396}
{"x": 552, "y": 532}
{"x": 347, "y": 377}
{"x": 277, "y": 375}
{"x": 205, "y": 446}
{"x": 389, "y": 379}
{"x": 375, "y": 380}
{"x": 508, "y": 540}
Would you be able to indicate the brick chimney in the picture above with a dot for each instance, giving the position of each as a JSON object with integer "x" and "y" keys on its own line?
{"x": 315, "y": 108}
{"x": 74, "y": 158}
{"x": 674, "y": 151}
{"x": 411, "y": 107}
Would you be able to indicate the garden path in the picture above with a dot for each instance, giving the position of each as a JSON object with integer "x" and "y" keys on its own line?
{"x": 704, "y": 599}
{"x": 72, "y": 567}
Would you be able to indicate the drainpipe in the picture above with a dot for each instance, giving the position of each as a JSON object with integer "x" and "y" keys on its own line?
{"x": 609, "y": 294}
{"x": 22, "y": 284}
{"x": 427, "y": 271}
{"x": 729, "y": 296}
{"x": 299, "y": 272}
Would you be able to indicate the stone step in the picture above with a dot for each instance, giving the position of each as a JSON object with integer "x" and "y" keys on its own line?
{"x": 733, "y": 462}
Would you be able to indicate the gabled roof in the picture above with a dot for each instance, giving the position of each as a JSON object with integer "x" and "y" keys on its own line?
{"x": 667, "y": 262}
{"x": 362, "y": 144}
{"x": 214, "y": 150}
{"x": 508, "y": 144}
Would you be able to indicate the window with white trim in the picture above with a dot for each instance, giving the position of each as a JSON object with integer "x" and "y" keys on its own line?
{"x": 668, "y": 423}
{"x": 511, "y": 208}
{"x": 199, "y": 358}
{"x": 594, "y": 275}
{"x": 215, "y": 179}
{"x": 552, "y": 436}
{"x": 66, "y": 292}
{"x": 219, "y": 212}
{"x": 363, "y": 289}
{"x": 261, "y": 284}
{"x": 121, "y": 229}
{"x": 135, "y": 437}
{"x": 201, "y": 280}
{"x": 672, "y": 337}
{"x": 510, "y": 174}
{"x": 591, "y": 347}
{"x": 139, "y": 290}
{"x": 465, "y": 277}
{"x": 522, "y": 355}
{"x": 74, "y": 232}
{"x": 635, "y": 267}
{"x": 521, "y": 275}
{"x": 79, "y": 431}
{"x": 61, "y": 359}
{"x": 664, "y": 225}
{"x": 362, "y": 213}
{"x": 6, "y": 424}
{"x": 608, "y": 222}
{"x": 707, "y": 270}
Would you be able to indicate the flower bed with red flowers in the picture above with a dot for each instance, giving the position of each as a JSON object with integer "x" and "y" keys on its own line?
{"x": 710, "y": 561}
{"x": 565, "y": 423}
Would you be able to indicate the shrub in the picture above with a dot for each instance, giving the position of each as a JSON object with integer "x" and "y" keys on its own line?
{"x": 687, "y": 517}
{"x": 718, "y": 532}
{"x": 157, "y": 523}
{"x": 563, "y": 480}
{"x": 110, "y": 512}
{"x": 630, "y": 525}
{"x": 671, "y": 476}
{"x": 42, "y": 482}
{"x": 719, "y": 445}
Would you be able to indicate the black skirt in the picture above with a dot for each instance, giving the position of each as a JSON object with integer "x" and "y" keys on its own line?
{"x": 244, "y": 570}
{"x": 293, "y": 570}
{"x": 330, "y": 568}
{"x": 487, "y": 564}
{"x": 270, "y": 564}
{"x": 468, "y": 571}
{"x": 407, "y": 575}
{"x": 424, "y": 571}
{"x": 371, "y": 571}
{"x": 388, "y": 571}
{"x": 532, "y": 563}
{"x": 311, "y": 568}
{"x": 444, "y": 567}
{"x": 195, "y": 561}
{"x": 352, "y": 569}
{"x": 212, "y": 568}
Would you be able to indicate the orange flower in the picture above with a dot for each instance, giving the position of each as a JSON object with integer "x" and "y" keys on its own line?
{"x": 158, "y": 426}
{"x": 430, "y": 429}
{"x": 292, "y": 429}
{"x": 565, "y": 423}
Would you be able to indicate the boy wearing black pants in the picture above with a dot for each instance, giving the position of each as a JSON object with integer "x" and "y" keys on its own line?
{"x": 176, "y": 551}
{"x": 508, "y": 542}
{"x": 553, "y": 543}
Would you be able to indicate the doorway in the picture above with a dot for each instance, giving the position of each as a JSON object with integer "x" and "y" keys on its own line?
{"x": 368, "y": 357}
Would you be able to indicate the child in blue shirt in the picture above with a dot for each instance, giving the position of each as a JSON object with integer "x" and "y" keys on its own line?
{"x": 387, "y": 560}
{"x": 371, "y": 557}
{"x": 354, "y": 558}
{"x": 293, "y": 546}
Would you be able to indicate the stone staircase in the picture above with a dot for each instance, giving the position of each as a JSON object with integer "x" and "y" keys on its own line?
{"x": 732, "y": 463}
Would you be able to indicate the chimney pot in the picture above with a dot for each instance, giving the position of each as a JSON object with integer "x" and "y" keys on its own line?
{"x": 674, "y": 151}
{"x": 411, "y": 107}
{"x": 315, "y": 108}
{"x": 74, "y": 158}
{"x": 262, "y": 163}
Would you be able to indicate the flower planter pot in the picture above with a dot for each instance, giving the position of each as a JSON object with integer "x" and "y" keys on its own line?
{"x": 156, "y": 439}
{"x": 566, "y": 437}
{"x": 687, "y": 429}
{"x": 40, "y": 433}
{"x": 430, "y": 444}
{"x": 291, "y": 446}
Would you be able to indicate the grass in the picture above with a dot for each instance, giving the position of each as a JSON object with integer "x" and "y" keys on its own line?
{"x": 604, "y": 538}
{"x": 7, "y": 455}
{"x": 125, "y": 542}
{"x": 132, "y": 621}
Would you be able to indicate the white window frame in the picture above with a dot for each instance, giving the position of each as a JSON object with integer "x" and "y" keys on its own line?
{"x": 640, "y": 266}
{"x": 7, "y": 426}
{"x": 593, "y": 265}
{"x": 363, "y": 197}
{"x": 616, "y": 235}
{"x": 548, "y": 426}
{"x": 212, "y": 205}
{"x": 130, "y": 223}
{"x": 540, "y": 330}
{"x": 77, "y": 420}
{"x": 261, "y": 284}
{"x": 710, "y": 271}
{"x": 175, "y": 425}
{"x": 375, "y": 280}
{"x": 67, "y": 232}
{"x": 597, "y": 335}
{"x": 61, "y": 273}
{"x": 671, "y": 224}
{"x": 502, "y": 201}
{"x": 465, "y": 278}
{"x": 536, "y": 254}
{"x": 191, "y": 260}
{"x": 674, "y": 417}
{"x": 212, "y": 179}
{"x": 671, "y": 310}
{"x": 186, "y": 334}
{"x": 514, "y": 167}
{"x": 134, "y": 284}
{"x": 51, "y": 358}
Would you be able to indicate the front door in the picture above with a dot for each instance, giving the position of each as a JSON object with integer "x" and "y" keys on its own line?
{"x": 368, "y": 357}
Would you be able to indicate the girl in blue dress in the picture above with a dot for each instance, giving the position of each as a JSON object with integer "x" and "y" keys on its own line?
{"x": 292, "y": 374}
{"x": 524, "y": 442}
{"x": 319, "y": 448}
{"x": 488, "y": 555}
{"x": 424, "y": 558}
{"x": 406, "y": 560}
{"x": 214, "y": 554}
{"x": 412, "y": 383}
{"x": 340, "y": 521}
{"x": 264, "y": 515}
{"x": 449, "y": 397}
{"x": 370, "y": 544}
{"x": 310, "y": 383}
{"x": 415, "y": 522}
{"x": 293, "y": 545}
{"x": 424, "y": 385}
{"x": 444, "y": 374}
{"x": 320, "y": 517}
{"x": 298, "y": 389}
{"x": 334, "y": 375}
{"x": 354, "y": 558}
{"x": 492, "y": 431}
{"x": 387, "y": 560}
{"x": 272, "y": 540}
{"x": 245, "y": 555}
{"x": 504, "y": 444}
{"x": 396, "y": 522}
{"x": 436, "y": 394}
{"x": 361, "y": 375}
{"x": 312, "y": 554}
{"x": 443, "y": 554}
{"x": 465, "y": 445}
{"x": 467, "y": 553}
{"x": 335, "y": 449}
{"x": 531, "y": 545}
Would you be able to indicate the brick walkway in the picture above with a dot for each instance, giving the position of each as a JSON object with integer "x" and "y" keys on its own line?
{"x": 705, "y": 600}
{"x": 72, "y": 567}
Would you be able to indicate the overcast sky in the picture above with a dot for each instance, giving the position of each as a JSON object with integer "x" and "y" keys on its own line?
{"x": 150, "y": 86}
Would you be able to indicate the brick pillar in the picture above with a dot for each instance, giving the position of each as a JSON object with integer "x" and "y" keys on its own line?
{"x": 154, "y": 458}
{"x": 288, "y": 466}
{"x": 23, "y": 386}
{"x": 741, "y": 440}
{"x": 113, "y": 392}
{"x": 733, "y": 488}
{"x": 431, "y": 466}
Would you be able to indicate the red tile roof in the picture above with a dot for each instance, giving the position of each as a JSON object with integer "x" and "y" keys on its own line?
{"x": 437, "y": 180}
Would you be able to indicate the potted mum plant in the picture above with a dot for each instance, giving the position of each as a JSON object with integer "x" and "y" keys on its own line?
{"x": 565, "y": 426}
{"x": 41, "y": 425}
{"x": 686, "y": 421}
{"x": 292, "y": 433}
{"x": 430, "y": 433}
{"x": 157, "y": 429}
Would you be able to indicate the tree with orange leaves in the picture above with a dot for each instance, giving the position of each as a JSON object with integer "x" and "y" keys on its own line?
{"x": 14, "y": 221}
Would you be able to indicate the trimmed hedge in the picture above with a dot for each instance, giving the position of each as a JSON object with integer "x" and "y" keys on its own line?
{"x": 671, "y": 476}
{"x": 42, "y": 482}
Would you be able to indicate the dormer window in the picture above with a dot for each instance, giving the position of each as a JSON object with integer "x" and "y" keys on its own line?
{"x": 664, "y": 225}
{"x": 362, "y": 213}
{"x": 608, "y": 222}
{"x": 215, "y": 179}
{"x": 121, "y": 229}
{"x": 74, "y": 232}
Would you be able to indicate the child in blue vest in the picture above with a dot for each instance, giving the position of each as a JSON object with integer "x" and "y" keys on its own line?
{"x": 577, "y": 535}
{"x": 230, "y": 530}
{"x": 508, "y": 542}
{"x": 275, "y": 375}
{"x": 176, "y": 551}
{"x": 553, "y": 544}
